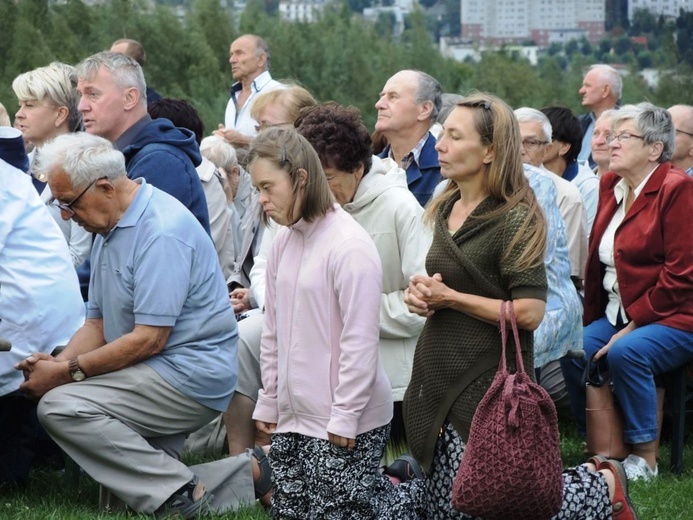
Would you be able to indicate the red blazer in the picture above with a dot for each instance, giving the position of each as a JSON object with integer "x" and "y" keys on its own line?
{"x": 653, "y": 251}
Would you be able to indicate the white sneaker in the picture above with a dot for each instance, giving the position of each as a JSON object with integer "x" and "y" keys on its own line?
{"x": 638, "y": 469}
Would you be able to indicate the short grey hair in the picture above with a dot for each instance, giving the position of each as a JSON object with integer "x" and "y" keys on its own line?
{"x": 219, "y": 151}
{"x": 528, "y": 115}
{"x": 654, "y": 124}
{"x": 83, "y": 157}
{"x": 126, "y": 72}
{"x": 607, "y": 114}
{"x": 263, "y": 47}
{"x": 429, "y": 90}
{"x": 610, "y": 76}
{"x": 54, "y": 85}
{"x": 448, "y": 103}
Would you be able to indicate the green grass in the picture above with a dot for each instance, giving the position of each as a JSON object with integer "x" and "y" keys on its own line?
{"x": 49, "y": 497}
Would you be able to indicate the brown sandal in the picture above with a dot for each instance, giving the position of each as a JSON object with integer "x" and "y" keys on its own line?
{"x": 621, "y": 505}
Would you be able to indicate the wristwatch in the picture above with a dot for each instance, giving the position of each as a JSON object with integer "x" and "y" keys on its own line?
{"x": 76, "y": 373}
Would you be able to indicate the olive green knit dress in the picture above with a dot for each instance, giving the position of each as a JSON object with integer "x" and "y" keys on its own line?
{"x": 457, "y": 355}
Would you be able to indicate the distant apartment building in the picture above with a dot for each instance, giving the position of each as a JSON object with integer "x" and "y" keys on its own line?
{"x": 497, "y": 22}
{"x": 300, "y": 10}
{"x": 667, "y": 8}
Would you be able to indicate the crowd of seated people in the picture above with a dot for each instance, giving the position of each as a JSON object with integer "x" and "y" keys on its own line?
{"x": 315, "y": 290}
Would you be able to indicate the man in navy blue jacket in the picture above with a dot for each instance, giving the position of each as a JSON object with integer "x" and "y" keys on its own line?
{"x": 114, "y": 106}
{"x": 407, "y": 108}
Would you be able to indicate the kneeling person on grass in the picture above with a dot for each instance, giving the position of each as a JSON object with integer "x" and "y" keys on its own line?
{"x": 156, "y": 357}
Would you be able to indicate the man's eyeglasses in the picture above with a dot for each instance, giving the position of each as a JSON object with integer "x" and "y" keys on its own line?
{"x": 533, "y": 144}
{"x": 622, "y": 138}
{"x": 684, "y": 132}
{"x": 67, "y": 206}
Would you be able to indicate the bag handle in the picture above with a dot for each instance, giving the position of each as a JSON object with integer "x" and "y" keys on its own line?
{"x": 519, "y": 364}
{"x": 600, "y": 379}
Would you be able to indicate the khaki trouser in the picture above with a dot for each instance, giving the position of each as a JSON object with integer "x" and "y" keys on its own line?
{"x": 105, "y": 423}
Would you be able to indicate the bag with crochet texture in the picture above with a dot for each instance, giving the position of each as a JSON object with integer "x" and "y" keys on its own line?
{"x": 511, "y": 466}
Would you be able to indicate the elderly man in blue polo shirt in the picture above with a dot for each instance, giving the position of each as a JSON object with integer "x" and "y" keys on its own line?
{"x": 156, "y": 357}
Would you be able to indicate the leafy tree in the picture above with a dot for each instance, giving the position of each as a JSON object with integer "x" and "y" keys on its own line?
{"x": 585, "y": 46}
{"x": 622, "y": 45}
{"x": 81, "y": 27}
{"x": 8, "y": 18}
{"x": 604, "y": 47}
{"x": 217, "y": 27}
{"x": 554, "y": 49}
{"x": 358, "y": 6}
{"x": 571, "y": 47}
{"x": 340, "y": 57}
{"x": 645, "y": 60}
{"x": 643, "y": 22}
{"x": 35, "y": 12}
{"x": 385, "y": 23}
{"x": 511, "y": 79}
{"x": 421, "y": 53}
{"x": 453, "y": 8}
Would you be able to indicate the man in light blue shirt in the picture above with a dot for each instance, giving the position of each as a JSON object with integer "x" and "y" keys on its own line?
{"x": 156, "y": 357}
{"x": 601, "y": 90}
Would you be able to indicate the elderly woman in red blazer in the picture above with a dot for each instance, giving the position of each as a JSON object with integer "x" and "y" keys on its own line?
{"x": 639, "y": 277}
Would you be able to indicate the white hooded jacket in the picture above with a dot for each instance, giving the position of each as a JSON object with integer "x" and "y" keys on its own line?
{"x": 386, "y": 209}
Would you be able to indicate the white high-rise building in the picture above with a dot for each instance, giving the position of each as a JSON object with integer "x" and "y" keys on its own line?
{"x": 495, "y": 22}
{"x": 300, "y": 10}
{"x": 666, "y": 8}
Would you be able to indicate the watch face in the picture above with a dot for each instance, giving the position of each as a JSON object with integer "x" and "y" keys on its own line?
{"x": 78, "y": 376}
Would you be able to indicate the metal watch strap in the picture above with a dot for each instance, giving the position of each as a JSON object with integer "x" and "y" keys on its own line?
{"x": 73, "y": 367}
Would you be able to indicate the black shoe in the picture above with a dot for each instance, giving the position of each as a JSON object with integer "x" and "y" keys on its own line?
{"x": 184, "y": 504}
{"x": 404, "y": 468}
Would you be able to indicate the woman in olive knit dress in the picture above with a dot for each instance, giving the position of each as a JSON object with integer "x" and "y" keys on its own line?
{"x": 488, "y": 246}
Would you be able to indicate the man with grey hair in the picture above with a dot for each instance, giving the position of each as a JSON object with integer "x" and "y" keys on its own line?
{"x": 407, "y": 109}
{"x": 536, "y": 132}
{"x": 156, "y": 357}
{"x": 682, "y": 116}
{"x": 250, "y": 58}
{"x": 134, "y": 49}
{"x": 114, "y": 106}
{"x": 601, "y": 90}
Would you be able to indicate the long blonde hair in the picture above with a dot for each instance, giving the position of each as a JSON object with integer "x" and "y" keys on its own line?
{"x": 504, "y": 180}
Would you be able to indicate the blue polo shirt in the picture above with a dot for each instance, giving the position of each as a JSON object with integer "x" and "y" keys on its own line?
{"x": 158, "y": 267}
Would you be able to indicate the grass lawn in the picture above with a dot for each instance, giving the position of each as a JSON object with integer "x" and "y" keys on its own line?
{"x": 50, "y": 498}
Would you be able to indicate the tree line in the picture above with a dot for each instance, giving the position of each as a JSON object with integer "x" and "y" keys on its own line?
{"x": 341, "y": 57}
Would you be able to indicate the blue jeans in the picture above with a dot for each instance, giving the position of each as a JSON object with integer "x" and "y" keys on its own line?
{"x": 633, "y": 362}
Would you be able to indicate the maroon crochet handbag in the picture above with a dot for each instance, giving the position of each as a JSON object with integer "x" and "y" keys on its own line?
{"x": 511, "y": 466}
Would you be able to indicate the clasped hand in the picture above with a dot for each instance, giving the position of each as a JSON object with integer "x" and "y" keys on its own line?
{"x": 426, "y": 294}
{"x": 42, "y": 372}
{"x": 240, "y": 299}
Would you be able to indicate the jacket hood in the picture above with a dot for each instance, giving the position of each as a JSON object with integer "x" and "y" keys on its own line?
{"x": 376, "y": 182}
{"x": 162, "y": 131}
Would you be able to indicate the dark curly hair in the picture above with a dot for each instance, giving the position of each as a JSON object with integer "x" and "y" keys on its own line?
{"x": 338, "y": 135}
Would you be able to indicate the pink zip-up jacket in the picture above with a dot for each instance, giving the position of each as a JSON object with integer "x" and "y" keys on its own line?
{"x": 321, "y": 370}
